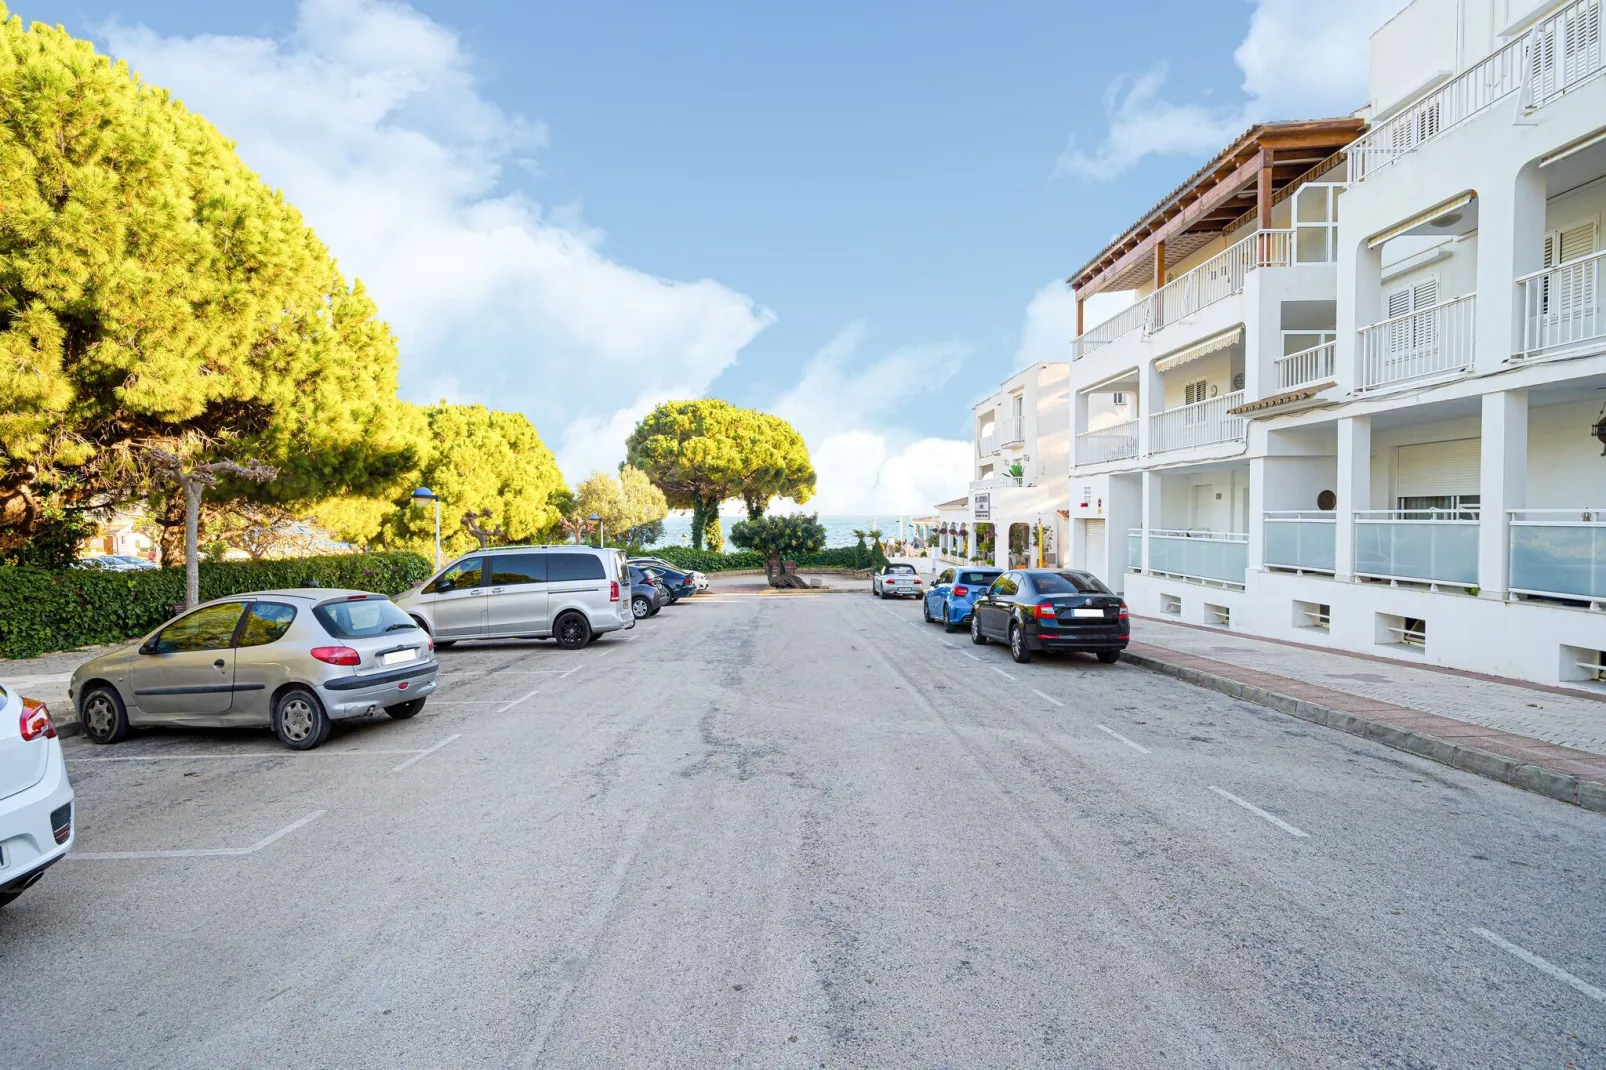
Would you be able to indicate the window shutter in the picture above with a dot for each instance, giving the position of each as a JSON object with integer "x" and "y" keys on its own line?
{"x": 1432, "y": 469}
{"x": 1425, "y": 294}
{"x": 1399, "y": 302}
{"x": 1574, "y": 242}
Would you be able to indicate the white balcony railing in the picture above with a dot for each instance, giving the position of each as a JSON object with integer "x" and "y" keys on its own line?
{"x": 1207, "y": 556}
{"x": 1420, "y": 546}
{"x": 1304, "y": 541}
{"x": 1562, "y": 308}
{"x": 1201, "y": 424}
{"x": 1559, "y": 552}
{"x": 1216, "y": 279}
{"x": 999, "y": 482}
{"x": 1134, "y": 550}
{"x": 1552, "y": 58}
{"x": 1114, "y": 443}
{"x": 1014, "y": 431}
{"x": 1308, "y": 366}
{"x": 1430, "y": 342}
{"x": 989, "y": 444}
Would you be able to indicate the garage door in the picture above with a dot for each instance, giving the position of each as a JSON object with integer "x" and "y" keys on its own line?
{"x": 1094, "y": 557}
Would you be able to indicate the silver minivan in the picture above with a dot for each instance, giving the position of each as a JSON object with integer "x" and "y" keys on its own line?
{"x": 570, "y": 593}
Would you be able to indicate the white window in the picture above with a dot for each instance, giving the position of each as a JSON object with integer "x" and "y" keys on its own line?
{"x": 1413, "y": 329}
{"x": 1569, "y": 294}
{"x": 1438, "y": 478}
{"x": 1316, "y": 222}
{"x": 1579, "y": 51}
{"x": 1299, "y": 341}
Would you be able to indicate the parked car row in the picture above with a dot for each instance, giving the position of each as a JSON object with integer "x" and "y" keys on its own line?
{"x": 115, "y": 563}
{"x": 1031, "y": 610}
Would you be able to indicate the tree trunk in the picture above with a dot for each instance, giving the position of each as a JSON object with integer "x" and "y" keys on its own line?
{"x": 713, "y": 537}
{"x": 192, "y": 554}
{"x": 697, "y": 519}
{"x": 755, "y": 506}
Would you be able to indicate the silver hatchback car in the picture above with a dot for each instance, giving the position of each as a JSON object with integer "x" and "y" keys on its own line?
{"x": 295, "y": 661}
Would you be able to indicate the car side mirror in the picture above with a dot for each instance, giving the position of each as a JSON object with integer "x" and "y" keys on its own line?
{"x": 443, "y": 586}
{"x": 148, "y": 647}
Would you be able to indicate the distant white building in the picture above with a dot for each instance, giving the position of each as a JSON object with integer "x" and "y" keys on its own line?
{"x": 1357, "y": 401}
{"x": 1022, "y": 440}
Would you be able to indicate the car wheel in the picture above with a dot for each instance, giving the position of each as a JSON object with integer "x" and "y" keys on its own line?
{"x": 1019, "y": 648}
{"x": 640, "y": 607}
{"x": 948, "y": 624}
{"x": 299, "y": 719}
{"x": 103, "y": 716}
{"x": 1109, "y": 657}
{"x": 403, "y": 710}
{"x": 573, "y": 631}
{"x": 925, "y": 610}
{"x": 975, "y": 630}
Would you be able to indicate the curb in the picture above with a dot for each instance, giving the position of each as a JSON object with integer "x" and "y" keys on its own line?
{"x": 1587, "y": 794}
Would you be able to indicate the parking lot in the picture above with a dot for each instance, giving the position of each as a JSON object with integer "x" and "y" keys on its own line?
{"x": 805, "y": 830}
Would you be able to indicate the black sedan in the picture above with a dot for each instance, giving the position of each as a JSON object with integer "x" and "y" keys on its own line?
{"x": 1051, "y": 609}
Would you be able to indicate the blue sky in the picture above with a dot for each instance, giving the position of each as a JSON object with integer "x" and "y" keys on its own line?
{"x": 850, "y": 213}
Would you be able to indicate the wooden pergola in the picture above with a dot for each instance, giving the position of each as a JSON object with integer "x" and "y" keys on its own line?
{"x": 1240, "y": 184}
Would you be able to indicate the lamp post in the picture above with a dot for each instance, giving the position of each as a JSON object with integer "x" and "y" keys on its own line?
{"x": 597, "y": 520}
{"x": 424, "y": 494}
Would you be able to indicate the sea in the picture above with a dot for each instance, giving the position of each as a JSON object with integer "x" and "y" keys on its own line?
{"x": 838, "y": 529}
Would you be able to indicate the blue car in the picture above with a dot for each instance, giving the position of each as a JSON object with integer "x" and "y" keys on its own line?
{"x": 952, "y": 597}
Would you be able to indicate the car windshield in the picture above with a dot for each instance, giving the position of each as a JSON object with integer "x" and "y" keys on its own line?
{"x": 362, "y": 617}
{"x": 977, "y": 577}
{"x": 1067, "y": 583}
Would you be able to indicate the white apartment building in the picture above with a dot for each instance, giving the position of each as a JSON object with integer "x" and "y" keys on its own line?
{"x": 1014, "y": 513}
{"x": 1367, "y": 408}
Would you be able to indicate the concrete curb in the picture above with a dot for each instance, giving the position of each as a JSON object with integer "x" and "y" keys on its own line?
{"x": 1569, "y": 789}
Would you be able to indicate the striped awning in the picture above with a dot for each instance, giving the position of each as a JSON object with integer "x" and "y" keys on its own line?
{"x": 1215, "y": 342}
{"x": 1440, "y": 209}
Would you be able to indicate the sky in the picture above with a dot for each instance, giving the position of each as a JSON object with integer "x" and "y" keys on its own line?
{"x": 858, "y": 216}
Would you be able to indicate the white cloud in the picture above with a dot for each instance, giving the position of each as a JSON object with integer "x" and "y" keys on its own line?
{"x": 368, "y": 117}
{"x": 1050, "y": 321}
{"x": 1301, "y": 59}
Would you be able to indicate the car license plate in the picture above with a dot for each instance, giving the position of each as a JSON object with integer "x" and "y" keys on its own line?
{"x": 396, "y": 657}
{"x": 1087, "y": 613}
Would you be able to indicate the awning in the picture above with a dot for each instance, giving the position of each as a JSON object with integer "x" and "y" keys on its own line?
{"x": 1200, "y": 349}
{"x": 1442, "y": 208}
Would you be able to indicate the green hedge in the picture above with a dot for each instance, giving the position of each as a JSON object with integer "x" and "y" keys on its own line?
{"x": 710, "y": 561}
{"x": 44, "y": 611}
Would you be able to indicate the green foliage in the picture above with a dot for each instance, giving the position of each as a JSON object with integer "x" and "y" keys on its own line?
{"x": 775, "y": 463}
{"x": 42, "y": 611}
{"x": 55, "y": 539}
{"x": 708, "y": 560}
{"x": 779, "y": 538}
{"x": 627, "y": 504}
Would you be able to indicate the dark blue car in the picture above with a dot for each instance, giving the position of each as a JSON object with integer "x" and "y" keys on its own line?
{"x": 952, "y": 597}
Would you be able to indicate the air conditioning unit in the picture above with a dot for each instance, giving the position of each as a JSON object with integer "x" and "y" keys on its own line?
{"x": 1238, "y": 381}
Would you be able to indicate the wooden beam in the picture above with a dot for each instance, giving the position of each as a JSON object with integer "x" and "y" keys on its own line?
{"x": 1079, "y": 327}
{"x": 1159, "y": 264}
{"x": 1263, "y": 190}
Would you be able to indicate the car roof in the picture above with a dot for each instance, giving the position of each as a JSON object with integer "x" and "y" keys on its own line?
{"x": 304, "y": 594}
{"x": 542, "y": 546}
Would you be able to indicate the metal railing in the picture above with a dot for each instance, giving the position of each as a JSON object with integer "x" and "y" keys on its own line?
{"x": 1313, "y": 365}
{"x": 1200, "y": 424}
{"x": 1014, "y": 431}
{"x": 1114, "y": 443}
{"x": 1307, "y": 541}
{"x": 1206, "y": 556}
{"x": 1552, "y": 58}
{"x": 1418, "y": 545}
{"x": 998, "y": 482}
{"x": 1562, "y": 307}
{"x": 989, "y": 444}
{"x": 1559, "y": 553}
{"x": 1216, "y": 279}
{"x": 1423, "y": 344}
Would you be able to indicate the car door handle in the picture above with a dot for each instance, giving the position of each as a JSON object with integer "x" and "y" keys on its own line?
{"x": 219, "y": 663}
{"x": 498, "y": 590}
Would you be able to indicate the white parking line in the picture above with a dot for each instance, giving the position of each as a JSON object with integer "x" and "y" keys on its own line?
{"x": 563, "y": 676}
{"x": 1140, "y": 748}
{"x": 1543, "y": 965}
{"x": 603, "y": 653}
{"x": 421, "y": 755}
{"x": 1002, "y": 673}
{"x": 518, "y": 700}
{"x": 1258, "y": 812}
{"x": 1047, "y": 698}
{"x": 216, "y": 852}
{"x": 969, "y": 655}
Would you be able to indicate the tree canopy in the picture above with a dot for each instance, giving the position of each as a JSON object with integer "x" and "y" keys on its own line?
{"x": 775, "y": 463}
{"x": 626, "y": 505}
{"x": 778, "y": 538}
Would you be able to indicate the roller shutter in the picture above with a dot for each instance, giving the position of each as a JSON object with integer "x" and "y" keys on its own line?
{"x": 1094, "y": 556}
{"x": 1430, "y": 469}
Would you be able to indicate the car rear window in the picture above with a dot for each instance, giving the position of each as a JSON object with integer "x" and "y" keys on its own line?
{"x": 362, "y": 618}
{"x": 560, "y": 567}
{"x": 977, "y": 577}
{"x": 1067, "y": 583}
{"x": 900, "y": 569}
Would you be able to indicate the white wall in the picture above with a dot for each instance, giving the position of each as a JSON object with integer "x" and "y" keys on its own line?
{"x": 1565, "y": 466}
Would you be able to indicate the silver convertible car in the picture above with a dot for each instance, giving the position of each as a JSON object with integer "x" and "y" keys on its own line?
{"x": 293, "y": 660}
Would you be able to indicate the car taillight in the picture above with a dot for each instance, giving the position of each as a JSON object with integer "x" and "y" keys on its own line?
{"x": 336, "y": 655}
{"x": 1124, "y": 615}
{"x": 613, "y": 590}
{"x": 961, "y": 591}
{"x": 431, "y": 643}
{"x": 917, "y": 581}
{"x": 1046, "y": 611}
{"x": 35, "y": 721}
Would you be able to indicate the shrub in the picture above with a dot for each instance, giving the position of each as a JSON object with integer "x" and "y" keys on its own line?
{"x": 708, "y": 560}
{"x": 43, "y": 611}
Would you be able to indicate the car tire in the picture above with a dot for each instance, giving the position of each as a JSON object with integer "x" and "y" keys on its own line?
{"x": 299, "y": 719}
{"x": 925, "y": 611}
{"x": 102, "y": 715}
{"x": 975, "y": 630}
{"x": 403, "y": 710}
{"x": 1109, "y": 657}
{"x": 1019, "y": 647}
{"x": 572, "y": 631}
{"x": 948, "y": 624}
{"x": 640, "y": 607}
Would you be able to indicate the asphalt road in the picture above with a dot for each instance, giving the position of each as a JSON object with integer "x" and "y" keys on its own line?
{"x": 808, "y": 831}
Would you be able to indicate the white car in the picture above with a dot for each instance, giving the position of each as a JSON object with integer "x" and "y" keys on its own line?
{"x": 896, "y": 580}
{"x": 36, "y": 818}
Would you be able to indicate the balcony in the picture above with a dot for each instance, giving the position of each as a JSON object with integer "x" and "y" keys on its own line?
{"x": 1115, "y": 443}
{"x": 1562, "y": 308}
{"x": 1559, "y": 553}
{"x": 1554, "y": 57}
{"x": 1429, "y": 343}
{"x": 1214, "y": 280}
{"x": 1014, "y": 432}
{"x": 1305, "y": 542}
{"x": 1203, "y": 423}
{"x": 1307, "y": 367}
{"x": 1003, "y": 482}
{"x": 989, "y": 445}
{"x": 1212, "y": 557}
{"x": 1418, "y": 546}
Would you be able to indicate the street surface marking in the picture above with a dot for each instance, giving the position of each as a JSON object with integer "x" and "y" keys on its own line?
{"x": 969, "y": 655}
{"x": 216, "y": 852}
{"x": 421, "y": 755}
{"x": 1258, "y": 812}
{"x": 1140, "y": 748}
{"x": 563, "y": 676}
{"x": 603, "y": 653}
{"x": 1543, "y": 965}
{"x": 629, "y": 638}
{"x": 1048, "y": 698}
{"x": 520, "y": 699}
{"x": 1001, "y": 672}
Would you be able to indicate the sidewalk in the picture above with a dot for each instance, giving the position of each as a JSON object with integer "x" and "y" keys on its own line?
{"x": 1544, "y": 739}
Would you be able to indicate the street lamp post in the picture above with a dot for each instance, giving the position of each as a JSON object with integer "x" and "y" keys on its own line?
{"x": 424, "y": 494}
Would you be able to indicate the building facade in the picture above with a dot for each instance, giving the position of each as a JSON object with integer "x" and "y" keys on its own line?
{"x": 1014, "y": 513}
{"x": 1363, "y": 411}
